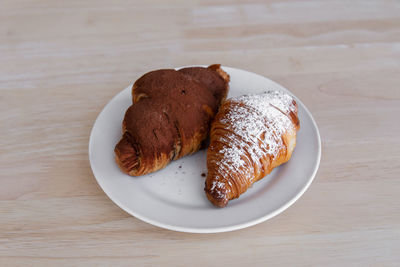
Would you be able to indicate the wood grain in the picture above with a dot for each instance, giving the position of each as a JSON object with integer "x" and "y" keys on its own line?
{"x": 62, "y": 61}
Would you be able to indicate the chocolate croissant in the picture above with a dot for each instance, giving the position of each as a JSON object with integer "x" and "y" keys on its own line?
{"x": 170, "y": 116}
{"x": 250, "y": 136}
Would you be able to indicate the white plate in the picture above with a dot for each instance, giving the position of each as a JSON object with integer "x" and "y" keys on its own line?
{"x": 174, "y": 197}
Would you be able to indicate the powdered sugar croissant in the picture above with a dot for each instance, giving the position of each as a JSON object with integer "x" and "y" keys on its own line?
{"x": 250, "y": 136}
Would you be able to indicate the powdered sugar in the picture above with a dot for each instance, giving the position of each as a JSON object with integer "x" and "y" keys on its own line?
{"x": 255, "y": 124}
{"x": 217, "y": 187}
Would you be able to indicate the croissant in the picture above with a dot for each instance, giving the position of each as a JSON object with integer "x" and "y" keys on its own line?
{"x": 170, "y": 116}
{"x": 250, "y": 136}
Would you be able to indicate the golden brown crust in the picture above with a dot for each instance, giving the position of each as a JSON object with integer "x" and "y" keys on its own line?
{"x": 246, "y": 144}
{"x": 170, "y": 116}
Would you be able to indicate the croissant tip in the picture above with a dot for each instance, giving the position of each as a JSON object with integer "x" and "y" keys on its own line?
{"x": 126, "y": 156}
{"x": 218, "y": 199}
{"x": 217, "y": 68}
{"x": 218, "y": 202}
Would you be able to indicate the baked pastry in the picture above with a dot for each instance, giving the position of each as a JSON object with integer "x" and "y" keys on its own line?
{"x": 170, "y": 116}
{"x": 250, "y": 136}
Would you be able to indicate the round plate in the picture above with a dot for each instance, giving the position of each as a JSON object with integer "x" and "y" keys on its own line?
{"x": 174, "y": 198}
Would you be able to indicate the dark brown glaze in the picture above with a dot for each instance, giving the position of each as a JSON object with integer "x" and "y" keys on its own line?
{"x": 170, "y": 116}
{"x": 211, "y": 79}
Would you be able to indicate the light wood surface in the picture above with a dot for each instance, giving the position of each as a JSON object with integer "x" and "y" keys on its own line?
{"x": 62, "y": 61}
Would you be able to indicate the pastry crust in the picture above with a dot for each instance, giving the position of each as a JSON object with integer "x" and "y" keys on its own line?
{"x": 250, "y": 136}
{"x": 170, "y": 116}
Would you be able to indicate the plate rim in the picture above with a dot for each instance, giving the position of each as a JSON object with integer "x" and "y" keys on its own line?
{"x": 211, "y": 229}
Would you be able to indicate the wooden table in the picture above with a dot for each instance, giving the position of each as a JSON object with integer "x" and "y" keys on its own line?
{"x": 62, "y": 61}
